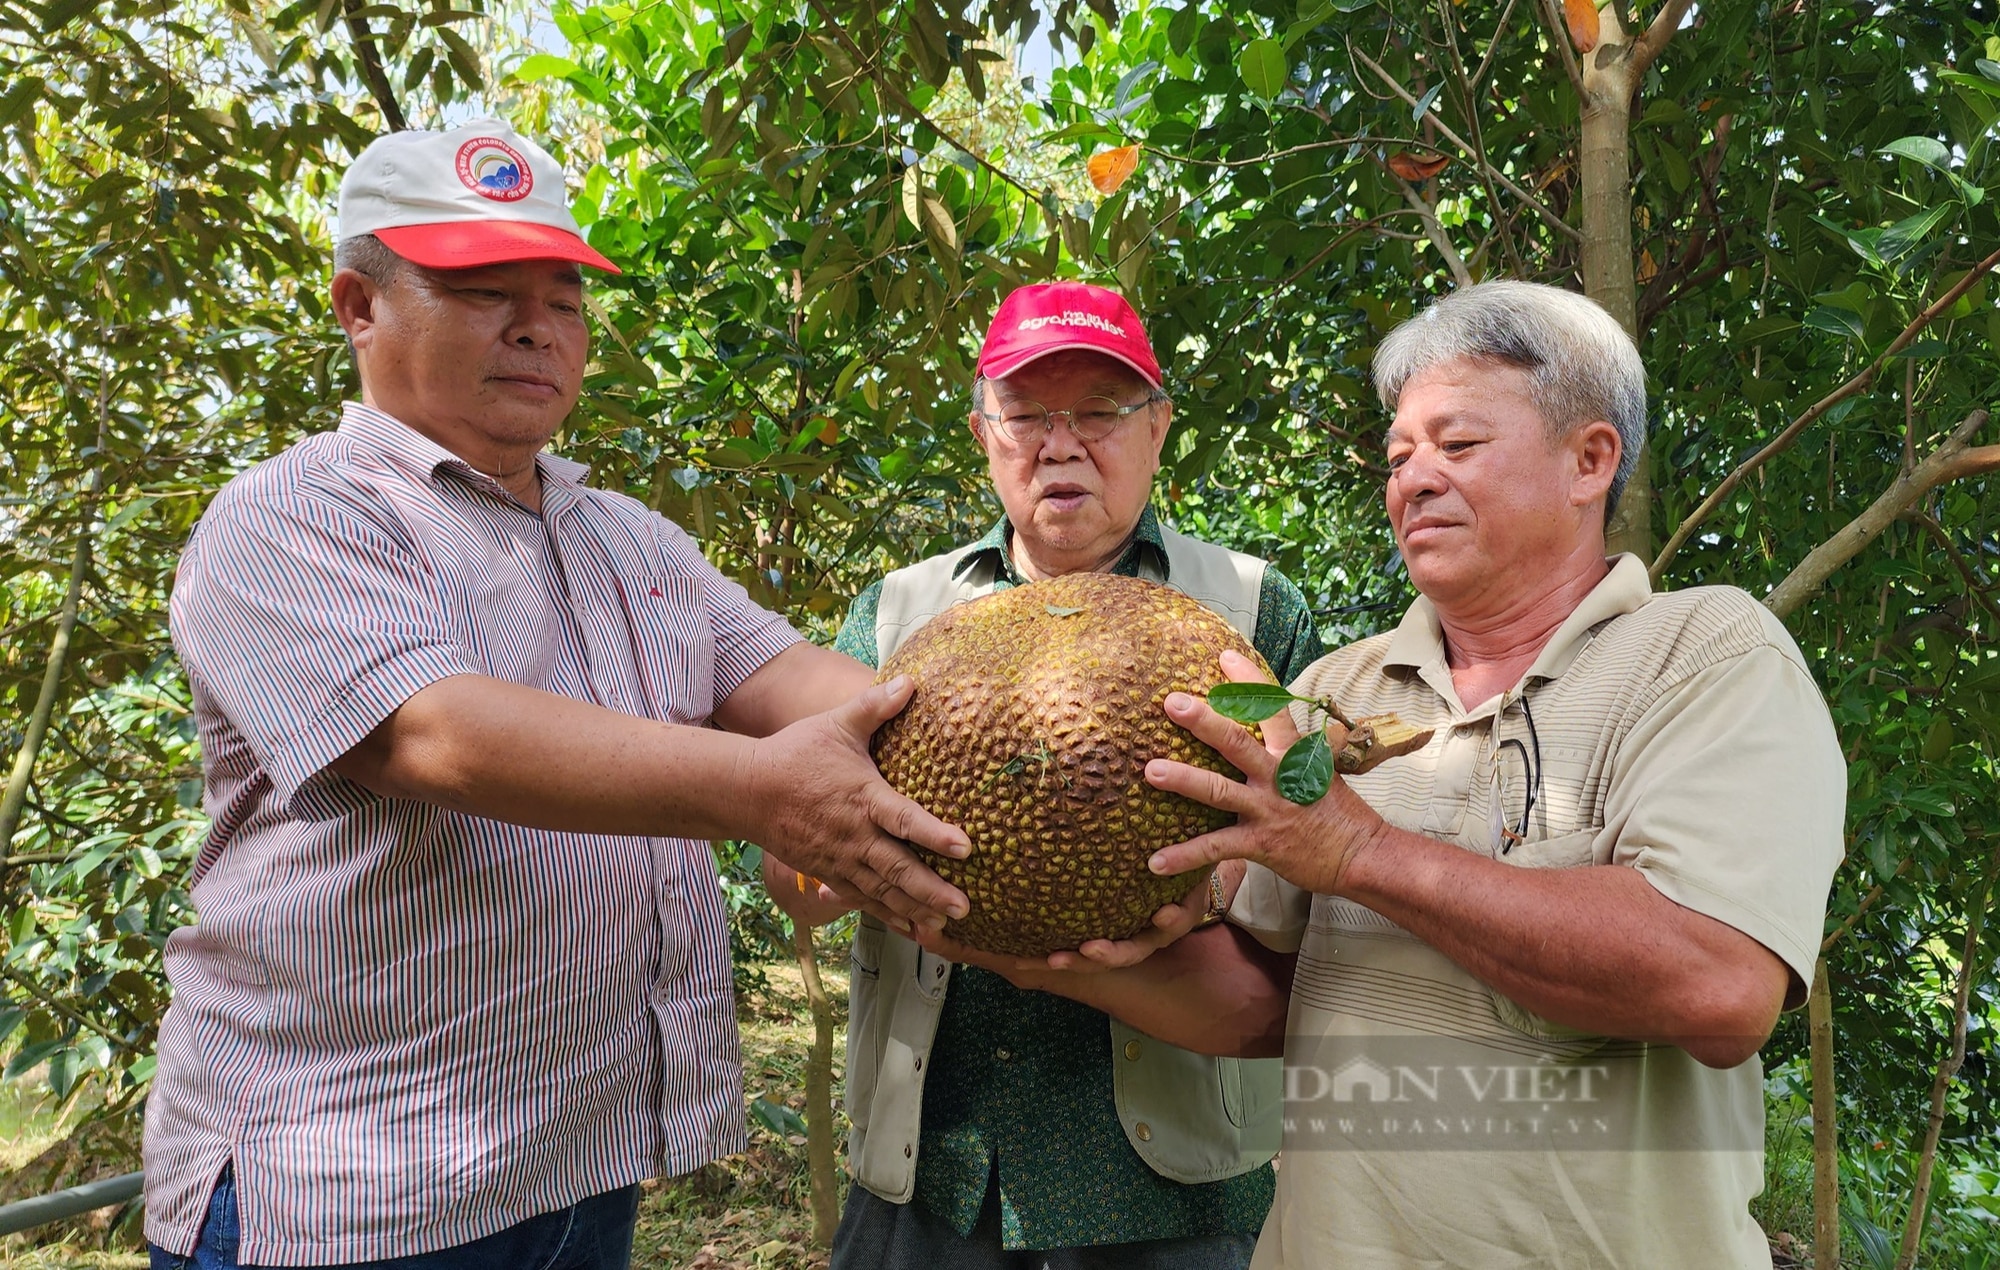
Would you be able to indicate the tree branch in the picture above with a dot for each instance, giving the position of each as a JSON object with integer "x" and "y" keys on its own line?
{"x": 1492, "y": 51}
{"x": 370, "y": 62}
{"x": 1783, "y": 441}
{"x": 54, "y": 1006}
{"x": 1949, "y": 461}
{"x": 1559, "y": 36}
{"x": 1867, "y": 902}
{"x": 1395, "y": 86}
{"x": 1913, "y": 1226}
{"x": 1654, "y": 41}
{"x": 885, "y": 86}
{"x": 1434, "y": 230}
{"x": 1973, "y": 586}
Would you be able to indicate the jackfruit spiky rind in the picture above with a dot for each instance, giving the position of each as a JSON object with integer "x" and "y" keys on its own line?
{"x": 1035, "y": 711}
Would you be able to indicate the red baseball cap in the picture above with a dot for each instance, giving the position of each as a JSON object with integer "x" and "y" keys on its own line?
{"x": 1055, "y": 317}
{"x": 481, "y": 194}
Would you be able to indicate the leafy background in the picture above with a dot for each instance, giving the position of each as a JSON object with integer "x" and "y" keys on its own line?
{"x": 817, "y": 206}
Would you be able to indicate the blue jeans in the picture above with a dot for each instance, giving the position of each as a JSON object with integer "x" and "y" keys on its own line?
{"x": 593, "y": 1235}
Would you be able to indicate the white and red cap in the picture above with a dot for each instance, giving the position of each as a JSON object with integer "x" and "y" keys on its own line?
{"x": 1055, "y": 317}
{"x": 481, "y": 194}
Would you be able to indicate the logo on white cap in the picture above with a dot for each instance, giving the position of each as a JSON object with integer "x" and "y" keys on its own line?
{"x": 491, "y": 168}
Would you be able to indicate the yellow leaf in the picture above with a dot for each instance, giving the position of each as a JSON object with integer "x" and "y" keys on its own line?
{"x": 913, "y": 197}
{"x": 1582, "y": 18}
{"x": 940, "y": 222}
{"x": 1110, "y": 169}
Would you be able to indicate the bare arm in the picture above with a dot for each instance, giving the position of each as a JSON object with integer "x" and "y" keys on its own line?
{"x": 1215, "y": 991}
{"x": 807, "y": 790}
{"x": 1596, "y": 948}
{"x": 803, "y": 680}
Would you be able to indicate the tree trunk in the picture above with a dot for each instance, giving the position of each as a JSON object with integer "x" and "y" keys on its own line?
{"x": 1826, "y": 1124}
{"x": 1609, "y": 274}
{"x": 819, "y": 1092}
{"x": 45, "y": 702}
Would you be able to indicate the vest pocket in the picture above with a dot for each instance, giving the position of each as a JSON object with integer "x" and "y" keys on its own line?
{"x": 864, "y": 994}
{"x": 1229, "y": 1073}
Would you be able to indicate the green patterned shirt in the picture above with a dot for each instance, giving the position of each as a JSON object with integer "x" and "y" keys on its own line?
{"x": 1021, "y": 1081}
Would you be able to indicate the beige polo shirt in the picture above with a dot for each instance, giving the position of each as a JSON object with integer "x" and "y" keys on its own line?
{"x": 1431, "y": 1122}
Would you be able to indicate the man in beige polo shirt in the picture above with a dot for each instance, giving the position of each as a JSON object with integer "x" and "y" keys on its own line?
{"x": 1530, "y": 966}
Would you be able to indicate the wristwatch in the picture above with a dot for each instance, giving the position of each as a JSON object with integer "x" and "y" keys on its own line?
{"x": 1218, "y": 903}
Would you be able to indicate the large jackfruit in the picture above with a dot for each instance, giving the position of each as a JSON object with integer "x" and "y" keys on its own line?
{"x": 1035, "y": 712}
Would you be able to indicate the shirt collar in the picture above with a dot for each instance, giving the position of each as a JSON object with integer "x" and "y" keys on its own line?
{"x": 382, "y": 433}
{"x": 993, "y": 548}
{"x": 1419, "y": 640}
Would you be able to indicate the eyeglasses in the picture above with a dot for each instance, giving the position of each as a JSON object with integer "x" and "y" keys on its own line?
{"x": 1092, "y": 419}
{"x": 1506, "y": 835}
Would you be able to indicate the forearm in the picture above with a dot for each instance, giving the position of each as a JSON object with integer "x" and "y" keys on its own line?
{"x": 1594, "y": 948}
{"x": 506, "y": 752}
{"x": 804, "y": 679}
{"x": 1215, "y": 991}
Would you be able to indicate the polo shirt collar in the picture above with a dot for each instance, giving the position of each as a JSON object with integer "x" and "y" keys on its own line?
{"x": 382, "y": 433}
{"x": 993, "y": 549}
{"x": 1418, "y": 643}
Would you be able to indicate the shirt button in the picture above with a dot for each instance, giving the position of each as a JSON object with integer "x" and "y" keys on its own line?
{"x": 906, "y": 1153}
{"x": 1132, "y": 1050}
{"x": 920, "y": 1062}
{"x": 1144, "y": 1131}
{"x": 1003, "y": 1054}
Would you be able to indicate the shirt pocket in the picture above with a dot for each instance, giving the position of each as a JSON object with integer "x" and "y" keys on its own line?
{"x": 673, "y": 645}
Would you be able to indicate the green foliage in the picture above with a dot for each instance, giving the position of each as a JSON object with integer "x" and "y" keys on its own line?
{"x": 818, "y": 205}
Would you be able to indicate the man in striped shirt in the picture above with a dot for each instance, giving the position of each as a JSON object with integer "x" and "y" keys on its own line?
{"x": 460, "y": 979}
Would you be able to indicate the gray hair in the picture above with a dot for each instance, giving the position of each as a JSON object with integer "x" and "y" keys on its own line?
{"x": 369, "y": 256}
{"x": 1581, "y": 365}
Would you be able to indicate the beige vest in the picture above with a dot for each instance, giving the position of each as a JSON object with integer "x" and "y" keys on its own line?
{"x": 1190, "y": 1117}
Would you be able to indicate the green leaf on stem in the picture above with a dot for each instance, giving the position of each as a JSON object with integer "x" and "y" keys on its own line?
{"x": 1263, "y": 67}
{"x": 1248, "y": 703}
{"x": 1306, "y": 771}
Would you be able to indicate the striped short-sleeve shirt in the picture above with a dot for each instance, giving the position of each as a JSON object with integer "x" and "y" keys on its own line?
{"x": 407, "y": 1027}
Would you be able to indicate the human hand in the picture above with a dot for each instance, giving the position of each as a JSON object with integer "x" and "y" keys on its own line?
{"x": 1170, "y": 923}
{"x": 1309, "y": 845}
{"x": 824, "y": 810}
{"x": 803, "y": 899}
{"x": 1023, "y": 972}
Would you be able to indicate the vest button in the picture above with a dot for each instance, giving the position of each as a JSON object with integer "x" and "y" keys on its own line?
{"x": 1132, "y": 1050}
{"x": 1144, "y": 1131}
{"x": 1002, "y": 1054}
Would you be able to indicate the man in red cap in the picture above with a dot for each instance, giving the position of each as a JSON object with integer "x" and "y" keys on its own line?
{"x": 995, "y": 1127}
{"x": 461, "y": 976}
